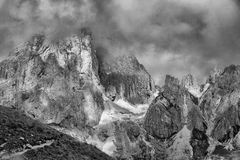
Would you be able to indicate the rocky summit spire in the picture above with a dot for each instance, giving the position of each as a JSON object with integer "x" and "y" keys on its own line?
{"x": 125, "y": 78}
{"x": 191, "y": 84}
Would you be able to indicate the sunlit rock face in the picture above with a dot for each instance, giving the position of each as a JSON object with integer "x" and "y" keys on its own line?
{"x": 54, "y": 82}
{"x": 125, "y": 78}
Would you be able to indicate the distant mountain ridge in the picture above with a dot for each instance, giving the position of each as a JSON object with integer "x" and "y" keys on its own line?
{"x": 113, "y": 103}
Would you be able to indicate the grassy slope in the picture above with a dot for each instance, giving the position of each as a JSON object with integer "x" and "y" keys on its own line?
{"x": 19, "y": 134}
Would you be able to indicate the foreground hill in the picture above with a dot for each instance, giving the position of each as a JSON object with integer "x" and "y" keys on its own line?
{"x": 22, "y": 138}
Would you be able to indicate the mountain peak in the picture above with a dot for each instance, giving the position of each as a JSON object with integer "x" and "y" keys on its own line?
{"x": 124, "y": 77}
{"x": 191, "y": 84}
{"x": 53, "y": 75}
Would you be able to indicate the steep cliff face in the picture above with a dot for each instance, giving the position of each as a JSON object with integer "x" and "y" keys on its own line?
{"x": 220, "y": 105}
{"x": 54, "y": 82}
{"x": 163, "y": 119}
{"x": 125, "y": 78}
{"x": 175, "y": 121}
{"x": 206, "y": 123}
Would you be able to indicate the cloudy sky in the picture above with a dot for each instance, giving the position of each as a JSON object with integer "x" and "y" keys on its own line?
{"x": 167, "y": 36}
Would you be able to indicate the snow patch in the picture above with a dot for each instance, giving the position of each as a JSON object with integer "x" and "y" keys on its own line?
{"x": 107, "y": 146}
{"x": 107, "y": 117}
{"x": 5, "y": 155}
{"x": 155, "y": 94}
{"x": 196, "y": 92}
{"x": 206, "y": 86}
{"x": 136, "y": 109}
{"x": 112, "y": 113}
{"x": 122, "y": 110}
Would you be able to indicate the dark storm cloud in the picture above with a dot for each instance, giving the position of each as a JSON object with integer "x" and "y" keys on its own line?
{"x": 168, "y": 36}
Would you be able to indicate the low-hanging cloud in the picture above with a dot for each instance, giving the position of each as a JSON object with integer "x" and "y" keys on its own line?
{"x": 167, "y": 36}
